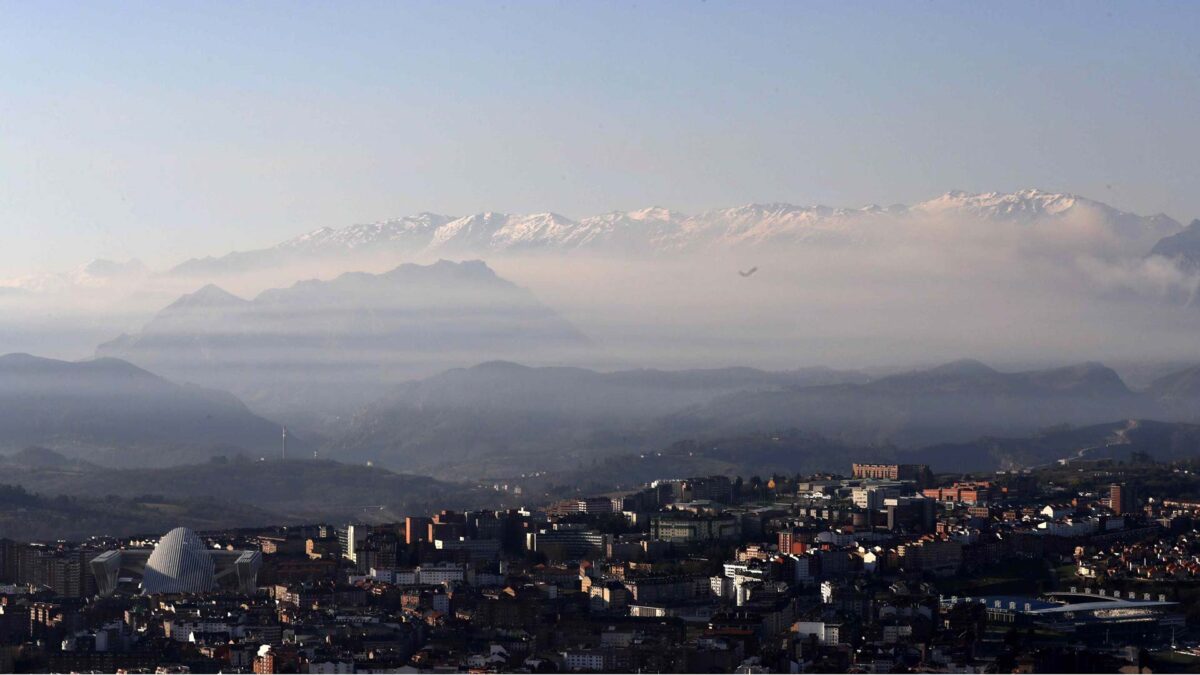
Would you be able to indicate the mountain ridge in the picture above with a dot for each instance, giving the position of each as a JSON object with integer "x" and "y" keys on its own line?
{"x": 502, "y": 415}
{"x": 1182, "y": 248}
{"x": 337, "y": 344}
{"x": 109, "y": 411}
{"x": 660, "y": 230}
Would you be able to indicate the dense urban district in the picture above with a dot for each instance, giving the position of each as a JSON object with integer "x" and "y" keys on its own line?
{"x": 1081, "y": 566}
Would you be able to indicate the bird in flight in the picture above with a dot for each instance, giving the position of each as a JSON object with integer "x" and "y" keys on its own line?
{"x": 748, "y": 272}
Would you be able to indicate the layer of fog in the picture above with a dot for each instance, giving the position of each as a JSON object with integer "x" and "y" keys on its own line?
{"x": 1014, "y": 294}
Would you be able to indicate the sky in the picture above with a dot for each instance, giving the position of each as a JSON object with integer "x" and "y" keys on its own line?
{"x": 166, "y": 130}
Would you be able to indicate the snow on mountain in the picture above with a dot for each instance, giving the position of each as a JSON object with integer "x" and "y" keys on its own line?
{"x": 1024, "y": 204}
{"x": 1037, "y": 205}
{"x": 660, "y": 230}
{"x": 623, "y": 230}
{"x": 499, "y": 231}
{"x": 1070, "y": 222}
{"x": 535, "y": 230}
{"x": 412, "y": 230}
{"x": 760, "y": 223}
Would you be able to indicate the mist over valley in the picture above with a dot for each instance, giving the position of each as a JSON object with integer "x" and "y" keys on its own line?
{"x": 518, "y": 348}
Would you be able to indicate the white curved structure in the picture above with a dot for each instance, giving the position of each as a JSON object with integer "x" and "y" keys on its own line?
{"x": 179, "y": 564}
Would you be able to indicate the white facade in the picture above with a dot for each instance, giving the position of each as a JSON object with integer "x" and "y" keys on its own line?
{"x": 441, "y": 573}
{"x": 179, "y": 564}
{"x": 583, "y": 660}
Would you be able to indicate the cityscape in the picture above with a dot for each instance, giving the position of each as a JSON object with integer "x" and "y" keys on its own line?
{"x": 886, "y": 568}
{"x": 589, "y": 336}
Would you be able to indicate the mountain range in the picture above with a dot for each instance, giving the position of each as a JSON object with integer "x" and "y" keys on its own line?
{"x": 324, "y": 348}
{"x": 497, "y": 416}
{"x": 500, "y": 418}
{"x": 657, "y": 230}
{"x": 958, "y": 400}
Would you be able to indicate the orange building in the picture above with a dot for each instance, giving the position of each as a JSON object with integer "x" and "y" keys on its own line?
{"x": 915, "y": 472}
{"x": 976, "y": 492}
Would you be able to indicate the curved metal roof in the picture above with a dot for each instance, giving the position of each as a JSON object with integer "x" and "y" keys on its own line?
{"x": 179, "y": 564}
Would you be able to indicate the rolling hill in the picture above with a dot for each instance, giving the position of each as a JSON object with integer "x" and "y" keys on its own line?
{"x": 110, "y": 412}
{"x": 494, "y": 416}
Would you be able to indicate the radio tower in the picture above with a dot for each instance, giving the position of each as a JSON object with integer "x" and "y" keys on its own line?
{"x": 284, "y": 449}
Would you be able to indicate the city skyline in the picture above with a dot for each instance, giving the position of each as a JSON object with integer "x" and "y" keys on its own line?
{"x": 552, "y": 336}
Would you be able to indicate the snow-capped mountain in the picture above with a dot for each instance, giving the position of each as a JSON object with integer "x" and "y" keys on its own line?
{"x": 1036, "y": 205}
{"x": 409, "y": 230}
{"x": 499, "y": 231}
{"x": 658, "y": 230}
{"x": 654, "y": 227}
{"x": 761, "y": 223}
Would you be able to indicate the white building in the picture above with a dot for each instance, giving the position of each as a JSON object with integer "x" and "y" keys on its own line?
{"x": 1069, "y": 527}
{"x": 443, "y": 573}
{"x": 826, "y": 633}
{"x": 583, "y": 659}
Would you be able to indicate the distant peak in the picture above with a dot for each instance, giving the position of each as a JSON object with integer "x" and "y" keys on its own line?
{"x": 213, "y": 291}
{"x": 209, "y": 295}
{"x": 500, "y": 365}
{"x": 443, "y": 266}
{"x": 22, "y": 357}
{"x": 101, "y": 267}
{"x": 653, "y": 213}
{"x": 41, "y": 363}
{"x": 1089, "y": 368}
{"x": 963, "y": 367}
{"x": 1034, "y": 192}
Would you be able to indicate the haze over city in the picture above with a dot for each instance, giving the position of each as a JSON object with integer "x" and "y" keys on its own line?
{"x": 599, "y": 337}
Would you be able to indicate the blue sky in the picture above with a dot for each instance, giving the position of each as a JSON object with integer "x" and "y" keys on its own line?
{"x": 165, "y": 130}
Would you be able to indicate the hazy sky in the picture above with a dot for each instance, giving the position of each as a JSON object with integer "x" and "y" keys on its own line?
{"x": 165, "y": 130}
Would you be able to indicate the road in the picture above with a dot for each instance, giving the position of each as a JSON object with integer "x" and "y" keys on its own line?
{"x": 1119, "y": 437}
